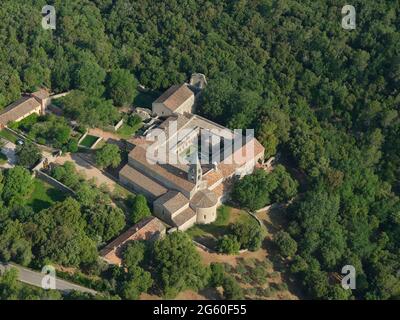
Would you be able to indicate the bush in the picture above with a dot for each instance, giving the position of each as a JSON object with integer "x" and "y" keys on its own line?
{"x": 72, "y": 145}
{"x": 248, "y": 234}
{"x": 133, "y": 120}
{"x": 140, "y": 209}
{"x": 217, "y": 275}
{"x": 286, "y": 245}
{"x": 108, "y": 156}
{"x": 232, "y": 290}
{"x": 228, "y": 244}
{"x": 28, "y": 154}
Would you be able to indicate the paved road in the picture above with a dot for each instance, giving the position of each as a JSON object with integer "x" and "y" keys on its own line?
{"x": 34, "y": 278}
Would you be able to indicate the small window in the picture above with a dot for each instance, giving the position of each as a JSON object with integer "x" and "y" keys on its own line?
{"x": 205, "y": 217}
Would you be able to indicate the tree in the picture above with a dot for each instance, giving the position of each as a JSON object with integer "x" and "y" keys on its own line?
{"x": 228, "y": 244}
{"x": 134, "y": 120}
{"x": 36, "y": 76}
{"x": 286, "y": 244}
{"x": 286, "y": 186}
{"x": 60, "y": 236}
{"x": 248, "y": 234}
{"x": 121, "y": 87}
{"x": 268, "y": 139}
{"x": 178, "y": 264}
{"x": 89, "y": 78}
{"x": 104, "y": 221}
{"x": 12, "y": 289}
{"x": 28, "y": 154}
{"x": 140, "y": 209}
{"x": 88, "y": 110}
{"x": 217, "y": 274}
{"x": 13, "y": 245}
{"x": 90, "y": 197}
{"x": 253, "y": 191}
{"x": 72, "y": 145}
{"x": 109, "y": 155}
{"x": 133, "y": 254}
{"x": 216, "y": 98}
{"x": 232, "y": 290}
{"x": 138, "y": 281}
{"x": 18, "y": 184}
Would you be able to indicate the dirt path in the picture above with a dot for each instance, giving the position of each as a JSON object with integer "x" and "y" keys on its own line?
{"x": 87, "y": 170}
{"x": 107, "y": 136}
{"x": 231, "y": 259}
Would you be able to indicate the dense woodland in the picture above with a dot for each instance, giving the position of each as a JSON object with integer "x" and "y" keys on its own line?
{"x": 326, "y": 98}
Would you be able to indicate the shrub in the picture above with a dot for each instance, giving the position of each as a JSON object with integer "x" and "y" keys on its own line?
{"x": 228, "y": 244}
{"x": 134, "y": 120}
{"x": 286, "y": 244}
{"x": 248, "y": 234}
{"x": 232, "y": 289}
{"x": 217, "y": 275}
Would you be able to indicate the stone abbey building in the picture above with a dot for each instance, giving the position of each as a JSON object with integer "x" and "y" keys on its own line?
{"x": 189, "y": 190}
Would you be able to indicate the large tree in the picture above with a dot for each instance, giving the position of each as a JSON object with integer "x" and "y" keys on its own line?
{"x": 13, "y": 244}
{"x": 108, "y": 156}
{"x": 121, "y": 87}
{"x": 28, "y": 154}
{"x": 60, "y": 235}
{"x": 179, "y": 265}
{"x": 18, "y": 184}
{"x": 140, "y": 209}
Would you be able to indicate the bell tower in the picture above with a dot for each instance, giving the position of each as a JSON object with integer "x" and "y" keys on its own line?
{"x": 195, "y": 172}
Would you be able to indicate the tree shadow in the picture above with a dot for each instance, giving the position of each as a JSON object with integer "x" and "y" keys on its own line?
{"x": 56, "y": 194}
{"x": 211, "y": 294}
{"x": 39, "y": 205}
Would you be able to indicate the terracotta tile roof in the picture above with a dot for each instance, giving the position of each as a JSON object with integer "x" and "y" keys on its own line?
{"x": 146, "y": 229}
{"x": 204, "y": 199}
{"x": 175, "y": 96}
{"x": 172, "y": 201}
{"x": 167, "y": 172}
{"x": 246, "y": 153}
{"x": 212, "y": 177}
{"x": 18, "y": 109}
{"x": 183, "y": 217}
{"x": 219, "y": 190}
{"x": 152, "y": 187}
{"x": 181, "y": 120}
{"x": 41, "y": 94}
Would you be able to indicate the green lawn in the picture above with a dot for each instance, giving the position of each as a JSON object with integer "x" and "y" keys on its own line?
{"x": 209, "y": 233}
{"x": 44, "y": 195}
{"x": 8, "y": 136}
{"x": 127, "y": 132}
{"x": 88, "y": 141}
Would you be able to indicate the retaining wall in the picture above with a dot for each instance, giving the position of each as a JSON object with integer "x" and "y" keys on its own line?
{"x": 53, "y": 182}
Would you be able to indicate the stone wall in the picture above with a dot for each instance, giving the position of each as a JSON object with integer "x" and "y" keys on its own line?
{"x": 53, "y": 182}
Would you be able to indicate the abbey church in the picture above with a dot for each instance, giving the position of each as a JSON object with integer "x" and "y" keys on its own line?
{"x": 184, "y": 194}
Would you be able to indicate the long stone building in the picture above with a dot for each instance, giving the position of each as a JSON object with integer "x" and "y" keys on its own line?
{"x": 35, "y": 102}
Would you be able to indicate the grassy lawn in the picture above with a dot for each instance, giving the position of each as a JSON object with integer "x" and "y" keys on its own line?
{"x": 145, "y": 99}
{"x": 44, "y": 195}
{"x": 8, "y": 136}
{"x": 127, "y": 131}
{"x": 88, "y": 141}
{"x": 209, "y": 233}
